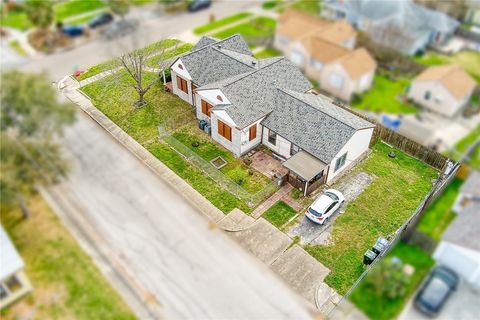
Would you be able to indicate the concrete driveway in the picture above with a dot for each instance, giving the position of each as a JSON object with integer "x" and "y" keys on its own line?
{"x": 156, "y": 239}
{"x": 462, "y": 305}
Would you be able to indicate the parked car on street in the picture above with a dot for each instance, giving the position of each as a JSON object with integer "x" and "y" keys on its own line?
{"x": 324, "y": 206}
{"x": 100, "y": 20}
{"x": 436, "y": 290}
{"x": 199, "y": 5}
{"x": 119, "y": 29}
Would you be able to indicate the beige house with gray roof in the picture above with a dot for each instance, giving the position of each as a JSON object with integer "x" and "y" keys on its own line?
{"x": 443, "y": 89}
{"x": 325, "y": 52}
{"x": 244, "y": 102}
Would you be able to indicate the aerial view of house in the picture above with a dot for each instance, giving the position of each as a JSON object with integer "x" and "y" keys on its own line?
{"x": 325, "y": 52}
{"x": 444, "y": 89}
{"x": 246, "y": 102}
{"x": 401, "y": 25}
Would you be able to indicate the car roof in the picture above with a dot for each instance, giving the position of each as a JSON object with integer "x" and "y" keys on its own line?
{"x": 321, "y": 203}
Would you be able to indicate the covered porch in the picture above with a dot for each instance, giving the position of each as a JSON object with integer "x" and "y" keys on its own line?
{"x": 305, "y": 172}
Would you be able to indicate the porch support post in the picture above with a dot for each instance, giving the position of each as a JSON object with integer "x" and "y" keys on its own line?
{"x": 306, "y": 187}
{"x": 163, "y": 75}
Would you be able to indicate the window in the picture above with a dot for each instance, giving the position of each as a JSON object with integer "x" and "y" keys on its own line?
{"x": 206, "y": 108}
{"x": 272, "y": 137}
{"x": 283, "y": 40}
{"x": 336, "y": 81}
{"x": 316, "y": 64}
{"x": 13, "y": 284}
{"x": 340, "y": 162}
{"x": 427, "y": 95}
{"x": 364, "y": 80}
{"x": 224, "y": 130}
{"x": 297, "y": 58}
{"x": 293, "y": 149}
{"x": 252, "y": 132}
{"x": 182, "y": 84}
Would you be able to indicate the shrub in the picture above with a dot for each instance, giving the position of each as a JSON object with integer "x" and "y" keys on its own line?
{"x": 389, "y": 279}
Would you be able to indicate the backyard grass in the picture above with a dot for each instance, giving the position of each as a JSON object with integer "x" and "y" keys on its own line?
{"x": 398, "y": 187}
{"x": 249, "y": 179}
{"x": 468, "y": 60}
{"x": 279, "y": 214}
{"x": 268, "y": 53}
{"x": 383, "y": 97}
{"x": 439, "y": 215}
{"x": 17, "y": 47}
{"x": 258, "y": 27}
{"x": 379, "y": 307}
{"x": 116, "y": 102}
{"x": 220, "y": 23}
{"x": 67, "y": 284}
{"x": 154, "y": 62}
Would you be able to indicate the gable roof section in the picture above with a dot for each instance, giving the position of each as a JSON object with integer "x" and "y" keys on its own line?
{"x": 204, "y": 41}
{"x": 464, "y": 230}
{"x": 254, "y": 95}
{"x": 358, "y": 62}
{"x": 453, "y": 78}
{"x": 306, "y": 119}
{"x": 323, "y": 50}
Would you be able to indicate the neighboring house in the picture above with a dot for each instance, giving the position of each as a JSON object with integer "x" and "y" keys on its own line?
{"x": 13, "y": 281}
{"x": 469, "y": 192}
{"x": 472, "y": 16}
{"x": 401, "y": 25}
{"x": 324, "y": 51}
{"x": 444, "y": 89}
{"x": 246, "y": 102}
{"x": 459, "y": 248}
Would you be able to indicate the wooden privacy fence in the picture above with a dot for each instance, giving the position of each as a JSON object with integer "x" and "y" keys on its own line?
{"x": 410, "y": 147}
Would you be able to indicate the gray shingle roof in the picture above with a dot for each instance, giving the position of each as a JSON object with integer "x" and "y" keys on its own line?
{"x": 204, "y": 41}
{"x": 254, "y": 95}
{"x": 464, "y": 230}
{"x": 313, "y": 129}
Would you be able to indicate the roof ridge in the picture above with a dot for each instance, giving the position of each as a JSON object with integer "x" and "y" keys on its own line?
{"x": 256, "y": 70}
{"x": 210, "y": 45}
{"x": 221, "y": 49}
{"x": 348, "y": 125}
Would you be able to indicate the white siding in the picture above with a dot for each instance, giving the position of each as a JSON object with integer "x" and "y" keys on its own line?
{"x": 282, "y": 147}
{"x": 245, "y": 143}
{"x": 234, "y": 145}
{"x": 355, "y": 147}
{"x": 182, "y": 72}
{"x": 209, "y": 96}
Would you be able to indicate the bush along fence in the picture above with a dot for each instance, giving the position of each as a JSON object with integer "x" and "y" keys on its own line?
{"x": 407, "y": 230}
{"x": 206, "y": 167}
{"x": 410, "y": 147}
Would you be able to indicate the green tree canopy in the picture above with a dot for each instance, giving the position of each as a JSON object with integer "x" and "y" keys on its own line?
{"x": 40, "y": 13}
{"x": 119, "y": 7}
{"x": 31, "y": 116}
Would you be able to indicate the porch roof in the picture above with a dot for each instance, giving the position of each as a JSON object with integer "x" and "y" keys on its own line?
{"x": 304, "y": 165}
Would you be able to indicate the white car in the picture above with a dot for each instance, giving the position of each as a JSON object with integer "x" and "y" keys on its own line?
{"x": 324, "y": 206}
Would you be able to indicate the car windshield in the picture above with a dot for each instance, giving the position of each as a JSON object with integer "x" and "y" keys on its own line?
{"x": 332, "y": 195}
{"x": 435, "y": 292}
{"x": 315, "y": 213}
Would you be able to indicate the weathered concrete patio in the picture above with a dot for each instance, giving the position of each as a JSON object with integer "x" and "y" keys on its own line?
{"x": 266, "y": 164}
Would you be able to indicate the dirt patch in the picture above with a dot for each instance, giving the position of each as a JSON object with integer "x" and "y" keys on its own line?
{"x": 353, "y": 185}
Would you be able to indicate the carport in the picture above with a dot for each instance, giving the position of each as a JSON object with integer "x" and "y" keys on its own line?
{"x": 305, "y": 172}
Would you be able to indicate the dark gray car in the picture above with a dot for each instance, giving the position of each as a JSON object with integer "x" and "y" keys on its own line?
{"x": 440, "y": 284}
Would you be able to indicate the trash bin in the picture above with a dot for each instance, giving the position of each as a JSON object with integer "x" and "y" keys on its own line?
{"x": 380, "y": 245}
{"x": 368, "y": 257}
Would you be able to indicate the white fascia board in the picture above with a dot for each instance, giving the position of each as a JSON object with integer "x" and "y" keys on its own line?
{"x": 182, "y": 71}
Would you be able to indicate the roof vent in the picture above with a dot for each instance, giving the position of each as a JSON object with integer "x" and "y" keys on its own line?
{"x": 180, "y": 66}
{"x": 219, "y": 98}
{"x": 274, "y": 82}
{"x": 254, "y": 62}
{"x": 219, "y": 46}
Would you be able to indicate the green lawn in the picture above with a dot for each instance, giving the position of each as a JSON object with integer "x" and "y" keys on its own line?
{"x": 15, "y": 19}
{"x": 67, "y": 284}
{"x": 468, "y": 60}
{"x": 249, "y": 179}
{"x": 256, "y": 28}
{"x": 220, "y": 23}
{"x": 399, "y": 186}
{"x": 383, "y": 97}
{"x": 81, "y": 20}
{"x": 268, "y": 53}
{"x": 116, "y": 102}
{"x": 17, "y": 47}
{"x": 311, "y": 6}
{"x": 279, "y": 214}
{"x": 439, "y": 215}
{"x": 377, "y": 306}
{"x": 113, "y": 63}
{"x": 66, "y": 9}
{"x": 154, "y": 62}
{"x": 463, "y": 145}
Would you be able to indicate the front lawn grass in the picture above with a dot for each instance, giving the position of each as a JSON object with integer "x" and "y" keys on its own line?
{"x": 398, "y": 187}
{"x": 247, "y": 178}
{"x": 256, "y": 28}
{"x": 439, "y": 215}
{"x": 279, "y": 214}
{"x": 383, "y": 96}
{"x": 379, "y": 307}
{"x": 468, "y": 60}
{"x": 15, "y": 19}
{"x": 220, "y": 23}
{"x": 17, "y": 47}
{"x": 66, "y": 9}
{"x": 81, "y": 20}
{"x": 268, "y": 53}
{"x": 115, "y": 100}
{"x": 66, "y": 282}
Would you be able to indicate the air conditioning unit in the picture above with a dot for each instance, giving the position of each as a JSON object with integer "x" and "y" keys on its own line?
{"x": 202, "y": 123}
{"x": 207, "y": 129}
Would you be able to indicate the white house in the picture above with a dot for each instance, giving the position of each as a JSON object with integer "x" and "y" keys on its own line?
{"x": 13, "y": 281}
{"x": 459, "y": 248}
{"x": 443, "y": 89}
{"x": 247, "y": 102}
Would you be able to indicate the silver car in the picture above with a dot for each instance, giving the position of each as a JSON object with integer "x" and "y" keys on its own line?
{"x": 324, "y": 206}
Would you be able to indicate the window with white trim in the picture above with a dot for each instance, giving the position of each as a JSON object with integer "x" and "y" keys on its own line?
{"x": 340, "y": 162}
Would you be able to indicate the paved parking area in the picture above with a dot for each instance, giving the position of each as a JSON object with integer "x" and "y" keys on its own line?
{"x": 462, "y": 305}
